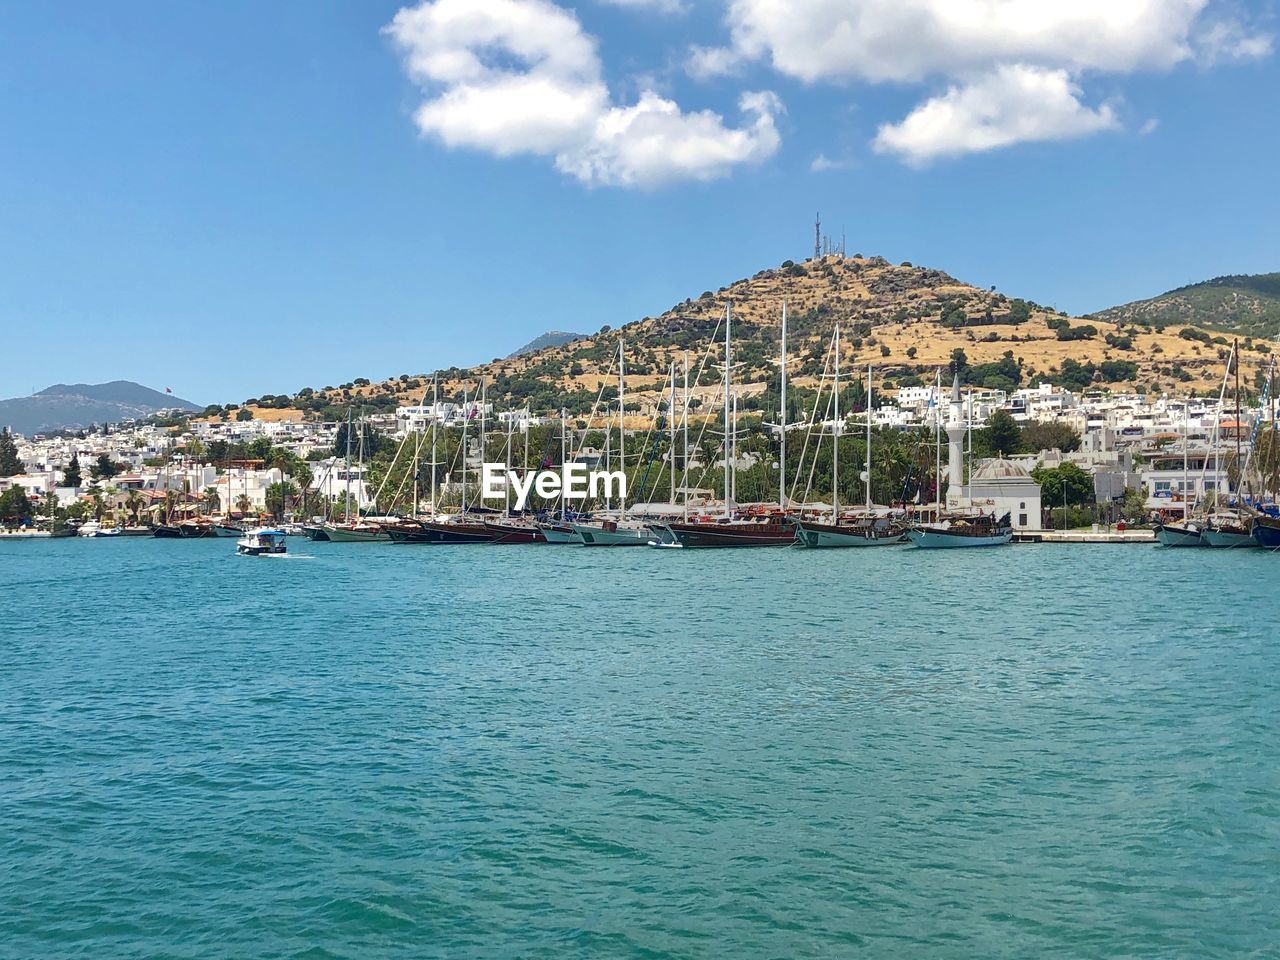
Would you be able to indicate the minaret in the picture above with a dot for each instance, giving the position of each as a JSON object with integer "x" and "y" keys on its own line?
{"x": 955, "y": 438}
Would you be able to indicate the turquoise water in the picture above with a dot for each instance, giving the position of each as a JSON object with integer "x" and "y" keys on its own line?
{"x": 377, "y": 751}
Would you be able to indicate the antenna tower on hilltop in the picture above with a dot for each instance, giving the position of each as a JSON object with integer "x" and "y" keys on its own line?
{"x": 817, "y": 235}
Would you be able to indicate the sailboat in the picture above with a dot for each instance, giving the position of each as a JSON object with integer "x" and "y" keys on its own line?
{"x": 757, "y": 527}
{"x": 1231, "y": 529}
{"x": 358, "y": 529}
{"x": 959, "y": 529}
{"x": 616, "y": 531}
{"x": 867, "y": 529}
{"x": 1188, "y": 533}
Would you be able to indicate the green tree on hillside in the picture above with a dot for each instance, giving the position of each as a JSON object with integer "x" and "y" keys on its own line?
{"x": 1049, "y": 435}
{"x": 1001, "y": 436}
{"x": 71, "y": 476}
{"x": 10, "y": 465}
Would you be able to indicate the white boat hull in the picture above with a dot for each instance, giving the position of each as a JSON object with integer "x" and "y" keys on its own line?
{"x": 939, "y": 540}
{"x": 623, "y": 536}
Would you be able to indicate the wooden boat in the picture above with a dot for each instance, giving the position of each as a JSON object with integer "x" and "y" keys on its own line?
{"x": 510, "y": 530}
{"x": 762, "y": 530}
{"x": 442, "y": 531}
{"x": 859, "y": 532}
{"x": 167, "y": 531}
{"x": 557, "y": 531}
{"x": 1228, "y": 531}
{"x": 196, "y": 529}
{"x": 1179, "y": 535}
{"x": 1266, "y": 532}
{"x": 981, "y": 530}
{"x": 356, "y": 531}
{"x": 257, "y": 543}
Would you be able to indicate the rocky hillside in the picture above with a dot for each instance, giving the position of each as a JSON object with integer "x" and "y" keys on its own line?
{"x": 1244, "y": 305}
{"x": 905, "y": 320}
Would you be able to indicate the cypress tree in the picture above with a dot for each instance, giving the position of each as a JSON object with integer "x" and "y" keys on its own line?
{"x": 71, "y": 476}
{"x": 10, "y": 465}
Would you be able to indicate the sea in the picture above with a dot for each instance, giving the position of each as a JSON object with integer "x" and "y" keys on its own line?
{"x": 392, "y": 751}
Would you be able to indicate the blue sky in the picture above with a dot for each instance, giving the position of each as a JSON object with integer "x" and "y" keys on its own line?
{"x": 242, "y": 198}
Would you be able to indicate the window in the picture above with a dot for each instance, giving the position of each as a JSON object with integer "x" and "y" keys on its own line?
{"x": 1022, "y": 519}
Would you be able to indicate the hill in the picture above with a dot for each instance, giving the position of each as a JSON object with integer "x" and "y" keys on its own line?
{"x": 77, "y": 405}
{"x": 905, "y": 320}
{"x": 552, "y": 338}
{"x": 1244, "y": 305}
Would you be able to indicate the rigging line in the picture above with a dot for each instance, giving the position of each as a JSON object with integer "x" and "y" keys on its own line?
{"x": 702, "y": 366}
{"x": 813, "y": 421}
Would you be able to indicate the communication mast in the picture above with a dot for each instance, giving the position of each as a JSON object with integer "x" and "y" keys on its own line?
{"x": 817, "y": 236}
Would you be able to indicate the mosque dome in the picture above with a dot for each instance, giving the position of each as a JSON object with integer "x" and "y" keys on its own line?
{"x": 1000, "y": 469}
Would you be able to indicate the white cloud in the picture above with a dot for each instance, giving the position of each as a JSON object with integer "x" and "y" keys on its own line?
{"x": 1013, "y": 66}
{"x": 522, "y": 77}
{"x": 1149, "y": 127}
{"x": 1014, "y": 104}
{"x": 657, "y": 6}
{"x": 822, "y": 163}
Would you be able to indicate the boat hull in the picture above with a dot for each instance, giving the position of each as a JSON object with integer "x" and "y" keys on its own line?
{"x": 1171, "y": 536}
{"x": 347, "y": 535}
{"x": 439, "y": 532}
{"x": 559, "y": 533}
{"x": 222, "y": 530}
{"x": 930, "y": 539}
{"x": 702, "y": 535}
{"x": 166, "y": 531}
{"x": 505, "y": 533}
{"x": 1266, "y": 533}
{"x": 1229, "y": 539}
{"x": 822, "y": 535}
{"x": 312, "y": 532}
{"x": 597, "y": 535}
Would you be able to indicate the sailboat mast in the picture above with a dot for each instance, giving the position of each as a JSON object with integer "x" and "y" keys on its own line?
{"x": 671, "y": 429}
{"x": 835, "y": 436}
{"x": 564, "y": 455}
{"x": 684, "y": 443}
{"x": 868, "y": 438}
{"x": 506, "y": 482}
{"x": 937, "y": 446}
{"x": 622, "y": 423}
{"x": 466, "y": 416}
{"x": 782, "y": 416}
{"x": 435, "y": 414}
{"x": 1239, "y": 468}
{"x": 728, "y": 356}
{"x": 346, "y": 515}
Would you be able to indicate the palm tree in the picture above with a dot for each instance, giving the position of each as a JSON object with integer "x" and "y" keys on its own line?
{"x": 303, "y": 477}
{"x": 212, "y": 501}
{"x": 99, "y": 507}
{"x": 243, "y": 503}
{"x": 133, "y": 502}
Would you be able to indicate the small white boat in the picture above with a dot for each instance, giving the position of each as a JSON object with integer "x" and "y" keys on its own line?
{"x": 613, "y": 533}
{"x": 95, "y": 529}
{"x": 256, "y": 543}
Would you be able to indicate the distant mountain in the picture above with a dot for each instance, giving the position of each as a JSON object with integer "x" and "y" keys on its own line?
{"x": 552, "y": 338}
{"x": 73, "y": 406}
{"x": 1247, "y": 305}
